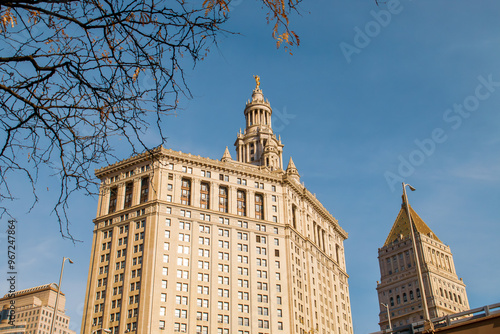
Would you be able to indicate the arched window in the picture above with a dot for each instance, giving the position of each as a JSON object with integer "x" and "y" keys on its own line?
{"x": 411, "y": 294}
{"x": 392, "y": 301}
{"x": 404, "y": 297}
{"x": 294, "y": 215}
{"x": 418, "y": 293}
{"x": 398, "y": 299}
{"x": 441, "y": 291}
{"x": 459, "y": 299}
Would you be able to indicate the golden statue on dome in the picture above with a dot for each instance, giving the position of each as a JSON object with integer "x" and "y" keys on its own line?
{"x": 257, "y": 81}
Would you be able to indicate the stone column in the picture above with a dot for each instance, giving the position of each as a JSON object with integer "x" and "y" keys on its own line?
{"x": 195, "y": 192}
{"x": 136, "y": 192}
{"x": 231, "y": 199}
{"x": 251, "y": 204}
{"x": 213, "y": 196}
{"x": 120, "y": 198}
{"x": 104, "y": 200}
{"x": 314, "y": 232}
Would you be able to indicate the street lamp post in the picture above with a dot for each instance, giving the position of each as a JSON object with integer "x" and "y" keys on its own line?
{"x": 52, "y": 325}
{"x": 388, "y": 315}
{"x": 415, "y": 252}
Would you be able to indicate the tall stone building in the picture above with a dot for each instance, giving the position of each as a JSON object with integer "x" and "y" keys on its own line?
{"x": 34, "y": 309}
{"x": 399, "y": 286}
{"x": 189, "y": 244}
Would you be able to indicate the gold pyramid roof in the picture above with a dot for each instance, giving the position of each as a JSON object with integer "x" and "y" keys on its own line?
{"x": 402, "y": 226}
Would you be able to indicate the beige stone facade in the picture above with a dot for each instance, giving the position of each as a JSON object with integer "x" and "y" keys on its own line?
{"x": 399, "y": 286}
{"x": 34, "y": 309}
{"x": 196, "y": 245}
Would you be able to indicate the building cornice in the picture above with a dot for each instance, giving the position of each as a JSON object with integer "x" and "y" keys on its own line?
{"x": 25, "y": 292}
{"x": 315, "y": 203}
{"x": 160, "y": 153}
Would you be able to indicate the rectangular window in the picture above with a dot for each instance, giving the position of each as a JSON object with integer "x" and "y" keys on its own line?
{"x": 223, "y": 199}
{"x": 205, "y": 195}
{"x": 113, "y": 195}
{"x": 204, "y": 229}
{"x": 129, "y": 187}
{"x": 184, "y": 225}
{"x": 144, "y": 189}
{"x": 241, "y": 203}
{"x": 259, "y": 207}
{"x": 186, "y": 192}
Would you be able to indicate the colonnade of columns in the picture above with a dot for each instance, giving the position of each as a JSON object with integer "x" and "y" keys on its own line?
{"x": 258, "y": 116}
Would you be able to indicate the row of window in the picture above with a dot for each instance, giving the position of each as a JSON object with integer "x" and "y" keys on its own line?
{"x": 129, "y": 191}
{"x": 222, "y": 177}
{"x": 450, "y": 296}
{"x": 223, "y": 206}
{"x": 242, "y": 321}
{"x": 405, "y": 298}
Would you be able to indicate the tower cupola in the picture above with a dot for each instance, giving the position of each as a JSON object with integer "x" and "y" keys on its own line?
{"x": 258, "y": 144}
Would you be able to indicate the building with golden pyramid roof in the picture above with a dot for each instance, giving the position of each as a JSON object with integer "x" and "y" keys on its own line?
{"x": 399, "y": 287}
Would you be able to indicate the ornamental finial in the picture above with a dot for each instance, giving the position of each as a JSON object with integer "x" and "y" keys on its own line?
{"x": 257, "y": 81}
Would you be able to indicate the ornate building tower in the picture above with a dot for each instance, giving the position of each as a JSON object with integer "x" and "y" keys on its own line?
{"x": 186, "y": 244}
{"x": 399, "y": 287}
{"x": 258, "y": 144}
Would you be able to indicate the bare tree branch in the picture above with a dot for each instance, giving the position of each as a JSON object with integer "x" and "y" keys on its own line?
{"x": 73, "y": 78}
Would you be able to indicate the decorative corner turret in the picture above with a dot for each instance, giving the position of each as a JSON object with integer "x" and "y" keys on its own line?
{"x": 292, "y": 172}
{"x": 227, "y": 156}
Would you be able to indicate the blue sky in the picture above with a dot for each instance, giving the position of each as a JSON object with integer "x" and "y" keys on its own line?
{"x": 390, "y": 109}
